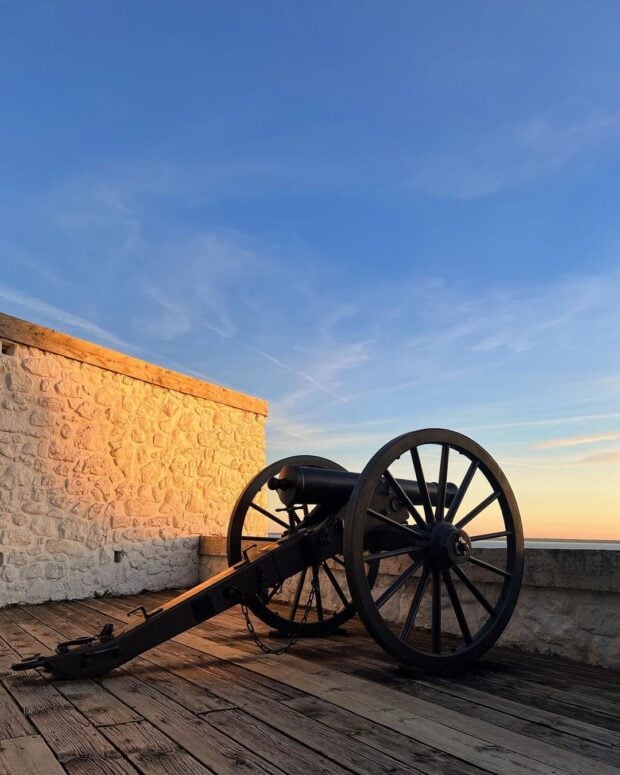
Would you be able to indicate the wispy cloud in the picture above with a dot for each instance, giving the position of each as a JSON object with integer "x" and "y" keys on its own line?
{"x": 48, "y": 314}
{"x": 198, "y": 275}
{"x": 355, "y": 438}
{"x": 511, "y": 155}
{"x": 451, "y": 371}
{"x": 468, "y": 168}
{"x": 573, "y": 441}
{"x": 171, "y": 321}
{"x": 460, "y": 331}
{"x": 97, "y": 214}
{"x": 541, "y": 422}
{"x": 19, "y": 258}
{"x": 212, "y": 179}
{"x": 204, "y": 300}
{"x": 601, "y": 458}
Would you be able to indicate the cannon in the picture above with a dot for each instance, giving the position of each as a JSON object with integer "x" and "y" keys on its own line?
{"x": 388, "y": 544}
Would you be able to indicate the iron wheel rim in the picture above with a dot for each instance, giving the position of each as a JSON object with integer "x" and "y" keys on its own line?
{"x": 234, "y": 551}
{"x": 353, "y": 548}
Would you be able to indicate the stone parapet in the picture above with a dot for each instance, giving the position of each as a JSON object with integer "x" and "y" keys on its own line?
{"x": 111, "y": 468}
{"x": 568, "y": 605}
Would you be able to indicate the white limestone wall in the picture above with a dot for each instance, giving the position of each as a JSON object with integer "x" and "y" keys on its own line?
{"x": 106, "y": 481}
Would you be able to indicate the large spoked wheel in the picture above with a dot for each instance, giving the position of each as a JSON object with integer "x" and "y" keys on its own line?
{"x": 450, "y": 556}
{"x": 284, "y": 610}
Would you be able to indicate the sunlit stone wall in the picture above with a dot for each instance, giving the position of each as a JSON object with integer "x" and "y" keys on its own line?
{"x": 106, "y": 479}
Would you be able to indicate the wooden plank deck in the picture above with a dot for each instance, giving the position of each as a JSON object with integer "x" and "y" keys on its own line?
{"x": 209, "y": 702}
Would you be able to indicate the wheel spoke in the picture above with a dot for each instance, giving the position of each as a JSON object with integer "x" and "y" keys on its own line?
{"x": 317, "y": 593}
{"x": 334, "y": 582}
{"x": 479, "y": 508}
{"x": 436, "y": 612}
{"x": 474, "y": 590}
{"x": 300, "y": 586}
{"x": 275, "y": 591}
{"x": 419, "y": 475}
{"x": 393, "y": 553}
{"x": 338, "y": 560}
{"x": 441, "y": 486}
{"x": 396, "y": 585}
{"x": 258, "y": 538}
{"x": 486, "y": 536}
{"x": 458, "y": 498}
{"x": 406, "y": 500}
{"x": 387, "y": 521}
{"x": 456, "y": 604}
{"x": 415, "y": 603}
{"x": 488, "y": 566}
{"x": 269, "y": 515}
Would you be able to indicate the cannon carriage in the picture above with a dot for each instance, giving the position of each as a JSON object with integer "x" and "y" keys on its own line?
{"x": 310, "y": 545}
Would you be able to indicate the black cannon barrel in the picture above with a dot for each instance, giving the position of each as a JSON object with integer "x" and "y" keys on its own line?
{"x": 305, "y": 484}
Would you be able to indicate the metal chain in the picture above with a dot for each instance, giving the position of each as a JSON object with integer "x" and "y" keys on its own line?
{"x": 294, "y": 638}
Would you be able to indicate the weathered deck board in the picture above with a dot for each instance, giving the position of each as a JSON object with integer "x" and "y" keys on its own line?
{"x": 27, "y": 756}
{"x": 151, "y": 751}
{"x": 209, "y": 702}
{"x": 13, "y": 723}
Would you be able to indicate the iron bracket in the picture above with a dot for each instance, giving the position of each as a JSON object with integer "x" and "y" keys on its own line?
{"x": 147, "y": 614}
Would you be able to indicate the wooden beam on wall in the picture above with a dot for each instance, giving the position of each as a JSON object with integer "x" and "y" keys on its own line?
{"x": 32, "y": 335}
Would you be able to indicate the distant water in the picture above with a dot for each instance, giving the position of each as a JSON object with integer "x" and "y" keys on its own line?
{"x": 536, "y": 543}
{"x": 568, "y": 543}
{"x": 558, "y": 543}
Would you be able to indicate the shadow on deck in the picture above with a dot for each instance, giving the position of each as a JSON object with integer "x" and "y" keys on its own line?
{"x": 209, "y": 702}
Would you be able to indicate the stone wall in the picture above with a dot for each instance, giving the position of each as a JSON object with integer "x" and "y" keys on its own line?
{"x": 110, "y": 468}
{"x": 568, "y": 605}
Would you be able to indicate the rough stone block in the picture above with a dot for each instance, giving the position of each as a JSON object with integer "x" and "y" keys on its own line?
{"x": 18, "y": 382}
{"x": 55, "y": 405}
{"x": 10, "y": 574}
{"x": 41, "y": 418}
{"x": 33, "y": 572}
{"x": 42, "y": 366}
{"x": 44, "y": 527}
{"x": 56, "y": 546}
{"x": 66, "y": 388}
{"x": 16, "y": 537}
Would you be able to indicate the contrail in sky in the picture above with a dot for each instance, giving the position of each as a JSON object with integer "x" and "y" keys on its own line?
{"x": 273, "y": 360}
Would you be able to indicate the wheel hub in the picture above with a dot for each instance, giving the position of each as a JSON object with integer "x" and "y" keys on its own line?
{"x": 449, "y": 546}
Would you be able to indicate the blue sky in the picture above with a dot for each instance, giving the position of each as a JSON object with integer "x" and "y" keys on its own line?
{"x": 378, "y": 216}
